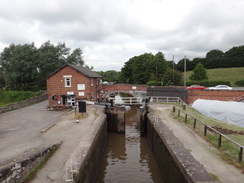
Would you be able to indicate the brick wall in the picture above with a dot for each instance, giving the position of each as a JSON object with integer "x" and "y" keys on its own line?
{"x": 56, "y": 86}
{"x": 213, "y": 95}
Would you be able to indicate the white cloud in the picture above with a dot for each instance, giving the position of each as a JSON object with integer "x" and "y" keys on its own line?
{"x": 111, "y": 32}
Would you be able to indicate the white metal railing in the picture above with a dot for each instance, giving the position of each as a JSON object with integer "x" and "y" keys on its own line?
{"x": 129, "y": 100}
{"x": 166, "y": 99}
{"x": 71, "y": 168}
{"x": 141, "y": 100}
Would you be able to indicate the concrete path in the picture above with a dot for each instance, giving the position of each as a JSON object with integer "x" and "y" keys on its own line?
{"x": 20, "y": 130}
{"x": 200, "y": 149}
{"x": 76, "y": 137}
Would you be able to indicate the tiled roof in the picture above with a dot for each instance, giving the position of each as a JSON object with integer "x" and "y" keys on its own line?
{"x": 82, "y": 70}
{"x": 85, "y": 71}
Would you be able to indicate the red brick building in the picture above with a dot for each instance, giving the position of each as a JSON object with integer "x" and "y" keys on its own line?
{"x": 71, "y": 84}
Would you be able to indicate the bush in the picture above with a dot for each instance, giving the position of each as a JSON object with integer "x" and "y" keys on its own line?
{"x": 239, "y": 83}
{"x": 207, "y": 83}
{"x": 153, "y": 83}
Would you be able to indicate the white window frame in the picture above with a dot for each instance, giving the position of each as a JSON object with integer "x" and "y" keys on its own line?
{"x": 81, "y": 93}
{"x": 67, "y": 81}
{"x": 91, "y": 81}
{"x": 81, "y": 86}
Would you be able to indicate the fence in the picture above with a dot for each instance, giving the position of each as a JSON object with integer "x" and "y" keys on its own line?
{"x": 129, "y": 100}
{"x": 170, "y": 91}
{"x": 207, "y": 127}
{"x": 166, "y": 99}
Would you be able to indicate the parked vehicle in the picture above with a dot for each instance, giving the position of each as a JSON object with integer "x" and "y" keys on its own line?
{"x": 220, "y": 87}
{"x": 196, "y": 87}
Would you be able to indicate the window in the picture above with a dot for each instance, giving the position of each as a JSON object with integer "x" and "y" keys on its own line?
{"x": 81, "y": 93}
{"x": 91, "y": 82}
{"x": 54, "y": 97}
{"x": 67, "y": 82}
{"x": 81, "y": 87}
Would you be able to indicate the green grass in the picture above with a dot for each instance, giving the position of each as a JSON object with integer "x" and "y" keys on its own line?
{"x": 11, "y": 97}
{"x": 223, "y": 74}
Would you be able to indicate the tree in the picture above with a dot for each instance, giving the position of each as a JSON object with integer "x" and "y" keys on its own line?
{"x": 25, "y": 66}
{"x": 234, "y": 57}
{"x": 143, "y": 68}
{"x": 172, "y": 77}
{"x": 181, "y": 64}
{"x": 214, "y": 59}
{"x": 19, "y": 65}
{"x": 110, "y": 76}
{"x": 126, "y": 71}
{"x": 199, "y": 73}
{"x": 76, "y": 57}
{"x": 50, "y": 58}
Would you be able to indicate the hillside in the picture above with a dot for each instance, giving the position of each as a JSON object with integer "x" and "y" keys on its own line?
{"x": 223, "y": 74}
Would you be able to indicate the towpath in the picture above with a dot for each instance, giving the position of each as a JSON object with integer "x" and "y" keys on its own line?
{"x": 199, "y": 149}
{"x": 76, "y": 137}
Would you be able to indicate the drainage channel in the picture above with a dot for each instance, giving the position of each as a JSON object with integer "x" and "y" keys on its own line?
{"x": 128, "y": 157}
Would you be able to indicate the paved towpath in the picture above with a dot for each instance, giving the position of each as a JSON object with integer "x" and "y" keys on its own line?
{"x": 199, "y": 149}
{"x": 76, "y": 138}
{"x": 20, "y": 130}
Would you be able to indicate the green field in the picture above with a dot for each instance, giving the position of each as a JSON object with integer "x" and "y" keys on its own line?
{"x": 223, "y": 74}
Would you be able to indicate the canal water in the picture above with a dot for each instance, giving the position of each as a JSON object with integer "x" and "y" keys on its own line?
{"x": 128, "y": 157}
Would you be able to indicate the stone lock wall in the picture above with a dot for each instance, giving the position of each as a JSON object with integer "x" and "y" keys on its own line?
{"x": 175, "y": 162}
{"x": 18, "y": 171}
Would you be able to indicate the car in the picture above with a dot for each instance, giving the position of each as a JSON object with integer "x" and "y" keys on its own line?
{"x": 196, "y": 87}
{"x": 220, "y": 87}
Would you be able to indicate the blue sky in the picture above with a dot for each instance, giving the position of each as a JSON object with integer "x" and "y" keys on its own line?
{"x": 110, "y": 32}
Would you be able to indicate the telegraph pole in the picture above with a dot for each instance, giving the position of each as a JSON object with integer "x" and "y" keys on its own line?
{"x": 173, "y": 71}
{"x": 185, "y": 71}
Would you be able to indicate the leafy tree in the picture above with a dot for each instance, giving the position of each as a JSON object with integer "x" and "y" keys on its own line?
{"x": 110, "y": 76}
{"x": 214, "y": 59}
{"x": 199, "y": 73}
{"x": 144, "y": 68}
{"x": 19, "y": 65}
{"x": 25, "y": 66}
{"x": 234, "y": 57}
{"x": 76, "y": 57}
{"x": 181, "y": 65}
{"x": 50, "y": 58}
{"x": 172, "y": 77}
{"x": 126, "y": 71}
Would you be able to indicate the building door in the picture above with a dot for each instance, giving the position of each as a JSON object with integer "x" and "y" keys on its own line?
{"x": 64, "y": 99}
{"x": 70, "y": 101}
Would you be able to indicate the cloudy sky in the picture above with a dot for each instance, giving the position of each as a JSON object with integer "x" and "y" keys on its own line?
{"x": 110, "y": 32}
